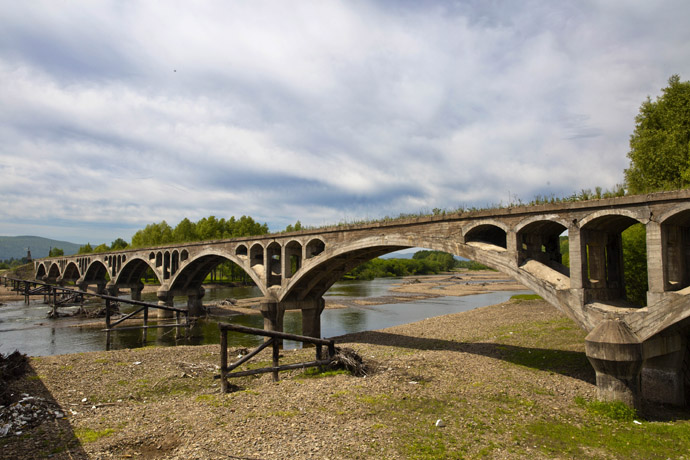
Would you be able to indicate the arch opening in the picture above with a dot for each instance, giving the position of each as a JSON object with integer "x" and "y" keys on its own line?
{"x": 615, "y": 260}
{"x": 273, "y": 251}
{"x": 546, "y": 243}
{"x": 315, "y": 247}
{"x": 675, "y": 246}
{"x": 293, "y": 256}
{"x": 487, "y": 234}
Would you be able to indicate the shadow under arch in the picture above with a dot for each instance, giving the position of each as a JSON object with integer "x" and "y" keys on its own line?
{"x": 133, "y": 270}
{"x": 195, "y": 271}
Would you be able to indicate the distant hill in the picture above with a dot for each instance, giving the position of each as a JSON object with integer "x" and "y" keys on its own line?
{"x": 15, "y": 246}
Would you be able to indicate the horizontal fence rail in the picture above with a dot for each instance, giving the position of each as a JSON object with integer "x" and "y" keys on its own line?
{"x": 274, "y": 340}
{"x": 29, "y": 288}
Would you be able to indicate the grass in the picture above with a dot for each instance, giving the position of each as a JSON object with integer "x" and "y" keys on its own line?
{"x": 87, "y": 435}
{"x": 317, "y": 372}
{"x": 520, "y": 297}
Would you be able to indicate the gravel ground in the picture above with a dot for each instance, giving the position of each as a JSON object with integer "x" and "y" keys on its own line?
{"x": 470, "y": 370}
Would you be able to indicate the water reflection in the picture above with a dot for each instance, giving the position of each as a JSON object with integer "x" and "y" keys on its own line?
{"x": 26, "y": 328}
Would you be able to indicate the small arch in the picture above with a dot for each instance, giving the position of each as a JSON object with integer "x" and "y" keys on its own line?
{"x": 315, "y": 247}
{"x": 174, "y": 263}
{"x": 273, "y": 251}
{"x": 293, "y": 258}
{"x": 540, "y": 240}
{"x": 603, "y": 262}
{"x": 241, "y": 250}
{"x": 675, "y": 249}
{"x": 159, "y": 260}
{"x": 184, "y": 255}
{"x": 166, "y": 265}
{"x": 152, "y": 256}
{"x": 256, "y": 255}
{"x": 487, "y": 233}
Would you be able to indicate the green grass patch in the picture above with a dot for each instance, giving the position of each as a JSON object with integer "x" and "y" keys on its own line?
{"x": 520, "y": 297}
{"x": 87, "y": 435}
{"x": 316, "y": 372}
{"x": 615, "y": 410}
{"x": 624, "y": 440}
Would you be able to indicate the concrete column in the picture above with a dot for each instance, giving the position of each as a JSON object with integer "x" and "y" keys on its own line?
{"x": 656, "y": 260}
{"x": 616, "y": 355}
{"x": 112, "y": 290}
{"x": 663, "y": 373}
{"x": 136, "y": 291}
{"x": 195, "y": 306}
{"x": 512, "y": 247}
{"x": 577, "y": 253}
{"x": 311, "y": 318}
{"x": 273, "y": 314}
{"x": 165, "y": 298}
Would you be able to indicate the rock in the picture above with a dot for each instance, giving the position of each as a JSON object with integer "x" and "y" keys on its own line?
{"x": 440, "y": 423}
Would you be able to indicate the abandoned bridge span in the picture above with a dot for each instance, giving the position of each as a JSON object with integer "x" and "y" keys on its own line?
{"x": 637, "y": 352}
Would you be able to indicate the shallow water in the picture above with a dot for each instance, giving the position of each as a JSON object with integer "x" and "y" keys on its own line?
{"x": 26, "y": 328}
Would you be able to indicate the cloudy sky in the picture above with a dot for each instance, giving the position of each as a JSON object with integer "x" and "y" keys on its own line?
{"x": 117, "y": 114}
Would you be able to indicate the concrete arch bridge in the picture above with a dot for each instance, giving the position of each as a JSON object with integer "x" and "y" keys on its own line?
{"x": 636, "y": 352}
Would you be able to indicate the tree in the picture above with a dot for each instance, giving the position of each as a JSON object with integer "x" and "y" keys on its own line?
{"x": 86, "y": 249}
{"x": 56, "y": 252}
{"x": 660, "y": 145}
{"x": 101, "y": 248}
{"x": 118, "y": 244}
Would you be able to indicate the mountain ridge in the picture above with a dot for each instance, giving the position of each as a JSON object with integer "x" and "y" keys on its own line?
{"x": 15, "y": 247}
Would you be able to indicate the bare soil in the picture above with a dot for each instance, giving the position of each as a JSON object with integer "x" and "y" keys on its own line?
{"x": 464, "y": 369}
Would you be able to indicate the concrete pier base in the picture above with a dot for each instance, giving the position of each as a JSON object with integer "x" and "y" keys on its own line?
{"x": 136, "y": 292}
{"x": 195, "y": 305}
{"x": 663, "y": 376}
{"x": 273, "y": 314}
{"x": 165, "y": 299}
{"x": 311, "y": 318}
{"x": 617, "y": 358}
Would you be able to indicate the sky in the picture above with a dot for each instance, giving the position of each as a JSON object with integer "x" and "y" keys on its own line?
{"x": 114, "y": 114}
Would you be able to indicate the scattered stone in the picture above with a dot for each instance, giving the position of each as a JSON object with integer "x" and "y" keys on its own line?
{"x": 440, "y": 423}
{"x": 26, "y": 413}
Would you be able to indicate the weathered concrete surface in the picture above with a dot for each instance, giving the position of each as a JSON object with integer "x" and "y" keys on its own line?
{"x": 294, "y": 270}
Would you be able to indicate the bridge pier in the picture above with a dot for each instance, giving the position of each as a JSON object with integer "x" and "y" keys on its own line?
{"x": 663, "y": 374}
{"x": 311, "y": 318}
{"x": 617, "y": 358}
{"x": 273, "y": 313}
{"x": 165, "y": 298}
{"x": 195, "y": 306}
{"x": 136, "y": 291}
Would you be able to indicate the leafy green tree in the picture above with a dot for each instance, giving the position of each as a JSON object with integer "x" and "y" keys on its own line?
{"x": 86, "y": 249}
{"x": 56, "y": 252}
{"x": 660, "y": 145}
{"x": 101, "y": 248}
{"x": 294, "y": 228}
{"x": 185, "y": 231}
{"x": 118, "y": 244}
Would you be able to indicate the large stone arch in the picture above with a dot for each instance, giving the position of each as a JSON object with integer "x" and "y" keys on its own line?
{"x": 134, "y": 268}
{"x": 54, "y": 272}
{"x": 70, "y": 273}
{"x": 41, "y": 271}
{"x": 192, "y": 273}
{"x": 96, "y": 271}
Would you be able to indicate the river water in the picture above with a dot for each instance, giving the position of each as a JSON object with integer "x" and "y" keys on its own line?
{"x": 27, "y": 329}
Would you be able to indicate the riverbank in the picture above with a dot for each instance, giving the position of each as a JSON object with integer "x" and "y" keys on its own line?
{"x": 508, "y": 381}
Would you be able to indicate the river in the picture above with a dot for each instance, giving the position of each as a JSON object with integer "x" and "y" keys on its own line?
{"x": 27, "y": 329}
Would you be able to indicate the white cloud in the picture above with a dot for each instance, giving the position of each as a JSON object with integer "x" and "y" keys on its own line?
{"x": 318, "y": 111}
